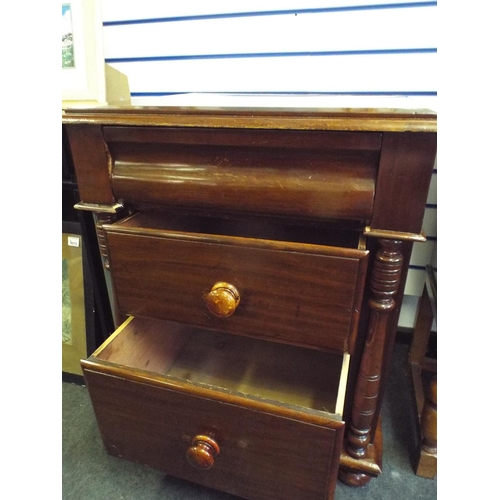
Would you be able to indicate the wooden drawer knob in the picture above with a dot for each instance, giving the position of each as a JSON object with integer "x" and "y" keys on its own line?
{"x": 223, "y": 299}
{"x": 202, "y": 452}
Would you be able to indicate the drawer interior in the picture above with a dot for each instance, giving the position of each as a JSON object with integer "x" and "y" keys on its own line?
{"x": 279, "y": 373}
{"x": 332, "y": 233}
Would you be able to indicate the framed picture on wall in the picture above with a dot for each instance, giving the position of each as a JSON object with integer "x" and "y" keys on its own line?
{"x": 78, "y": 322}
{"x": 86, "y": 78}
{"x": 83, "y": 72}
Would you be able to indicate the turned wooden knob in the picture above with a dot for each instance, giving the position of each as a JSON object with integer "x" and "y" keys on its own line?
{"x": 202, "y": 452}
{"x": 223, "y": 299}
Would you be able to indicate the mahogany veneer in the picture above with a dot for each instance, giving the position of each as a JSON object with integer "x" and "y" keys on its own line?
{"x": 261, "y": 257}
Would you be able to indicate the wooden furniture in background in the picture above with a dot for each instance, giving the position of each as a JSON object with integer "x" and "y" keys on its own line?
{"x": 258, "y": 259}
{"x": 423, "y": 370}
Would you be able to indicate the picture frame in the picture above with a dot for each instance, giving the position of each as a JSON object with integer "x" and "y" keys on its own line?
{"x": 86, "y": 78}
{"x": 78, "y": 322}
{"x": 83, "y": 78}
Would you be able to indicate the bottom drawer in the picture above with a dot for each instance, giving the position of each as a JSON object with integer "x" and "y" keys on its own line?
{"x": 255, "y": 419}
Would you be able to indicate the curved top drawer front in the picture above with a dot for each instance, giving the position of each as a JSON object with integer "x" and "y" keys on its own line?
{"x": 307, "y": 174}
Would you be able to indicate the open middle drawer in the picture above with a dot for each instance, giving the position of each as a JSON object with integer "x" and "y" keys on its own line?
{"x": 219, "y": 409}
{"x": 300, "y": 286}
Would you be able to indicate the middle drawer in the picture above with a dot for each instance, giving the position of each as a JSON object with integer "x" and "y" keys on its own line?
{"x": 302, "y": 293}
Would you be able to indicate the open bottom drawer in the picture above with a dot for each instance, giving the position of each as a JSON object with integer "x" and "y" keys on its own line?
{"x": 252, "y": 418}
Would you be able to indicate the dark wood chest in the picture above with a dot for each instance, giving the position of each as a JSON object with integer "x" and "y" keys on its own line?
{"x": 258, "y": 260}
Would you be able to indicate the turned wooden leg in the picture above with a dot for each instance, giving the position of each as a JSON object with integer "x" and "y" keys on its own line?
{"x": 355, "y": 479}
{"x": 427, "y": 456}
{"x": 429, "y": 419}
{"x": 385, "y": 280}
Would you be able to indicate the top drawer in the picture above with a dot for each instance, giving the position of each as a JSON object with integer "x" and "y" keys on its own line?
{"x": 313, "y": 174}
{"x": 242, "y": 276}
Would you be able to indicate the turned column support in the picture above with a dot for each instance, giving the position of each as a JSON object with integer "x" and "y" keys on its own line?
{"x": 100, "y": 220}
{"x": 103, "y": 214}
{"x": 426, "y": 456}
{"x": 385, "y": 281}
{"x": 428, "y": 420}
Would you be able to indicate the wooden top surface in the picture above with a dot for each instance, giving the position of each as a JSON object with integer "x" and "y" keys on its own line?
{"x": 312, "y": 112}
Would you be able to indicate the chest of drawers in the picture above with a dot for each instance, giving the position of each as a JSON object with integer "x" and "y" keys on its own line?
{"x": 258, "y": 259}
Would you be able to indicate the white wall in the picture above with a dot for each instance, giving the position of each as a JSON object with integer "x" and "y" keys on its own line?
{"x": 278, "y": 46}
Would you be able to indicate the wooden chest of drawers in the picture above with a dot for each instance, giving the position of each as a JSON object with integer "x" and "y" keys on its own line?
{"x": 258, "y": 259}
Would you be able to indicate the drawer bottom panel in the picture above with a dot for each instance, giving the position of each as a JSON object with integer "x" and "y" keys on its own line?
{"x": 263, "y": 456}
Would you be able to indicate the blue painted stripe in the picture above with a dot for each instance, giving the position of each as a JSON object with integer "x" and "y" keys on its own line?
{"x": 431, "y": 205}
{"x": 417, "y": 268}
{"x": 270, "y": 13}
{"x": 420, "y": 268}
{"x": 154, "y": 94}
{"x": 389, "y": 93}
{"x": 271, "y": 54}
